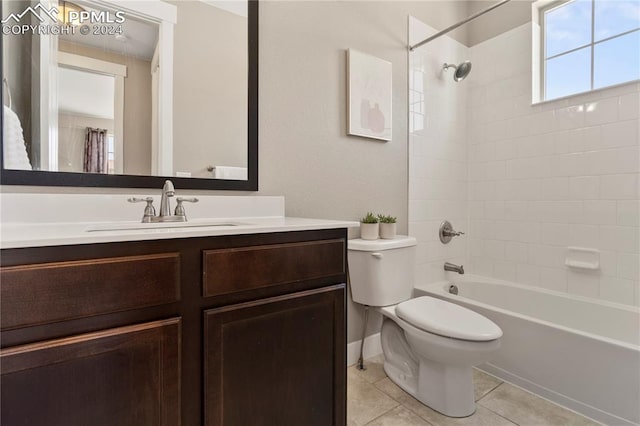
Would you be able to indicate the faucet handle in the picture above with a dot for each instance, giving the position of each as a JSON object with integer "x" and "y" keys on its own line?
{"x": 180, "y": 211}
{"x": 149, "y": 210}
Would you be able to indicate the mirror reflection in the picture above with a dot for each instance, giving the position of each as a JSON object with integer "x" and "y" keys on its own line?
{"x": 153, "y": 88}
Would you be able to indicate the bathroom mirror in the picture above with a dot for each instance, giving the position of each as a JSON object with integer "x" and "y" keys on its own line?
{"x": 126, "y": 93}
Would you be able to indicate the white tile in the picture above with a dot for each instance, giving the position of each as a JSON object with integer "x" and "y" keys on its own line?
{"x": 617, "y": 290}
{"x": 554, "y": 234}
{"x": 571, "y": 117}
{"x": 629, "y": 213}
{"x": 622, "y": 133}
{"x": 546, "y": 255}
{"x": 619, "y": 187}
{"x": 585, "y": 139}
{"x": 609, "y": 263}
{"x": 601, "y": 111}
{"x": 516, "y": 210}
{"x": 516, "y": 252}
{"x": 629, "y": 106}
{"x": 494, "y": 249}
{"x": 505, "y": 149}
{"x": 629, "y": 266}
{"x": 584, "y": 188}
{"x": 505, "y": 270}
{"x": 529, "y": 232}
{"x": 619, "y": 238}
{"x": 613, "y": 161}
{"x": 481, "y": 266}
{"x": 583, "y": 236}
{"x": 554, "y": 188}
{"x": 583, "y": 283}
{"x": 598, "y": 212}
{"x": 494, "y": 209}
{"x": 542, "y": 122}
{"x": 553, "y": 279}
{"x": 528, "y": 274}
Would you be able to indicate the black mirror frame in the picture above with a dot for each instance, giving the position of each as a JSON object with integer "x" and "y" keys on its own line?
{"x": 45, "y": 178}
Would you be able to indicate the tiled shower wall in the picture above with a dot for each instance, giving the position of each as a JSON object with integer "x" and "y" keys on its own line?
{"x": 437, "y": 152}
{"x": 541, "y": 178}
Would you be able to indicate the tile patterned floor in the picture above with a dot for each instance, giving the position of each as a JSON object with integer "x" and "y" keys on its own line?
{"x": 374, "y": 400}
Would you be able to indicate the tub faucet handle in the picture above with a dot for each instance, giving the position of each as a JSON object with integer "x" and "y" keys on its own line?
{"x": 447, "y": 232}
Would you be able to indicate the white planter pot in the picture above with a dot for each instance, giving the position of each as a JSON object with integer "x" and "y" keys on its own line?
{"x": 388, "y": 231}
{"x": 369, "y": 231}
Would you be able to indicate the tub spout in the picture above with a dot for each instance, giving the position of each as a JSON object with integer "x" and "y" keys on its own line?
{"x": 454, "y": 268}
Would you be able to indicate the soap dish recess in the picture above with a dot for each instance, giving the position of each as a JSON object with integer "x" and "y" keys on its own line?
{"x": 582, "y": 258}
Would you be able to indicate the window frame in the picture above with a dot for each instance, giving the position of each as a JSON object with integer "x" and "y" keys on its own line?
{"x": 540, "y": 8}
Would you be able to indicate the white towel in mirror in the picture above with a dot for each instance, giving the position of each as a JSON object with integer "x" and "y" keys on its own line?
{"x": 15, "y": 150}
{"x": 232, "y": 173}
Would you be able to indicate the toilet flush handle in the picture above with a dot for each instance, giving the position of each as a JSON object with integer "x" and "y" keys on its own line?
{"x": 377, "y": 255}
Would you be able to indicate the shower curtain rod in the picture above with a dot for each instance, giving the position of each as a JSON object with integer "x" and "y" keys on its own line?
{"x": 454, "y": 26}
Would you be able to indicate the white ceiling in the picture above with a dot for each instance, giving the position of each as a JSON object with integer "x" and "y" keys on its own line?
{"x": 141, "y": 38}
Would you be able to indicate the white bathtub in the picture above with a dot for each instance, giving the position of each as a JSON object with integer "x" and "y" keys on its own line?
{"x": 582, "y": 353}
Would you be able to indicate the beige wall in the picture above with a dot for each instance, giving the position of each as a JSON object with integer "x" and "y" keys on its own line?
{"x": 209, "y": 89}
{"x": 506, "y": 17}
{"x": 137, "y": 105}
{"x": 72, "y": 130}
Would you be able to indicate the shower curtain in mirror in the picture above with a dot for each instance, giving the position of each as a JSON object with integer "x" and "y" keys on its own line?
{"x": 95, "y": 151}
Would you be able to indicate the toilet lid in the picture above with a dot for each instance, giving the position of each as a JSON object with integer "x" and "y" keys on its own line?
{"x": 447, "y": 319}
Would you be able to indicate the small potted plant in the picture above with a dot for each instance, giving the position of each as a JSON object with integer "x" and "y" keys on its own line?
{"x": 369, "y": 227}
{"x": 387, "y": 227}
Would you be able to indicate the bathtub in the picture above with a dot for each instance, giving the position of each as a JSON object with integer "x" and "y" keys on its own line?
{"x": 581, "y": 353}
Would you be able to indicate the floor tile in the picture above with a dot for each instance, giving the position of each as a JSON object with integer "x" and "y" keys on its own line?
{"x": 527, "y": 409}
{"x": 374, "y": 371}
{"x": 365, "y": 402}
{"x": 483, "y": 383}
{"x": 399, "y": 416}
{"x": 482, "y": 416}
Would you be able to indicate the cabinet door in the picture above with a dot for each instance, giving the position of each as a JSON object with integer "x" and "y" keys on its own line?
{"x": 277, "y": 361}
{"x": 123, "y": 376}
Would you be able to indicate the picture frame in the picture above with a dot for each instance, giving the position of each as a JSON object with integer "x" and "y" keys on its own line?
{"x": 369, "y": 96}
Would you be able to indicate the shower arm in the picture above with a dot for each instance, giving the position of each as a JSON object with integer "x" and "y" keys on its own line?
{"x": 459, "y": 24}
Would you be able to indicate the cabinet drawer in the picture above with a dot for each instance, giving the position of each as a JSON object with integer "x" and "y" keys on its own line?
{"x": 237, "y": 269}
{"x": 50, "y": 292}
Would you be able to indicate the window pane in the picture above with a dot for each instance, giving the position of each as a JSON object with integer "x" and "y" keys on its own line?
{"x": 617, "y": 60}
{"x": 568, "y": 74}
{"x": 567, "y": 27}
{"x": 614, "y": 17}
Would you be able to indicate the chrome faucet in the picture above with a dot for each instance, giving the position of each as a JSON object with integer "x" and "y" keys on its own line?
{"x": 165, "y": 215}
{"x": 168, "y": 191}
{"x": 454, "y": 268}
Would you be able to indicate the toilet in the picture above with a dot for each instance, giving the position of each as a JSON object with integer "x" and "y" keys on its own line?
{"x": 429, "y": 345}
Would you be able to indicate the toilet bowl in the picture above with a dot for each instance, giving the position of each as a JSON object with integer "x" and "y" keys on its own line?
{"x": 429, "y": 345}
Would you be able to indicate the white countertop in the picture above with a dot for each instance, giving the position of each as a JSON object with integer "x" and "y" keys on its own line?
{"x": 20, "y": 235}
{"x": 35, "y": 220}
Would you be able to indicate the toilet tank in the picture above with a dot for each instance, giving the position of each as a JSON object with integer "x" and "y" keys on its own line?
{"x": 382, "y": 272}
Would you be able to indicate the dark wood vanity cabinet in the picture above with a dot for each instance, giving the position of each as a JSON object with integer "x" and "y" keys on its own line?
{"x": 228, "y": 330}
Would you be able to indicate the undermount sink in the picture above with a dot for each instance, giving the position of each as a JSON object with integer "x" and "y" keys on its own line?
{"x": 134, "y": 226}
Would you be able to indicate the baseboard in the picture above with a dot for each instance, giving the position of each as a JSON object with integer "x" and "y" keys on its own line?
{"x": 372, "y": 347}
{"x": 555, "y": 397}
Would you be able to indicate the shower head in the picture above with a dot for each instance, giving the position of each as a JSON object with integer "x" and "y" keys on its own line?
{"x": 462, "y": 70}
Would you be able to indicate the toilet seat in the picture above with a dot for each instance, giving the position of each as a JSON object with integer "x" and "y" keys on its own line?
{"x": 447, "y": 319}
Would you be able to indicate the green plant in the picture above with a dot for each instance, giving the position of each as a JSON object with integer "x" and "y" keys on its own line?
{"x": 387, "y": 219}
{"x": 369, "y": 218}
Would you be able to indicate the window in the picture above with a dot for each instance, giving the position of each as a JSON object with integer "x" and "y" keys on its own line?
{"x": 111, "y": 154}
{"x": 588, "y": 45}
